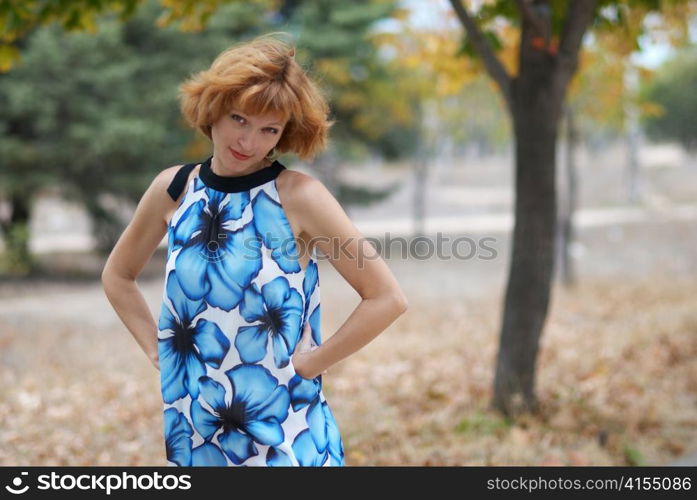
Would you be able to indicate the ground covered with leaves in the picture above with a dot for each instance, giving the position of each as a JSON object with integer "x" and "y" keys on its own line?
{"x": 616, "y": 381}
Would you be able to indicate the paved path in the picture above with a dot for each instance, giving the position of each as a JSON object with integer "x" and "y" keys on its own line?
{"x": 80, "y": 240}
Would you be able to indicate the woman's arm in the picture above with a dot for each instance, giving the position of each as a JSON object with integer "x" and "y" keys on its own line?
{"x": 128, "y": 258}
{"x": 329, "y": 228}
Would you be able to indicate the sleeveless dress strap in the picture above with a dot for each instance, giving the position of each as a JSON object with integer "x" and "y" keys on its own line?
{"x": 179, "y": 182}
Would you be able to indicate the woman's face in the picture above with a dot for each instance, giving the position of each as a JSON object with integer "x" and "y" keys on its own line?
{"x": 237, "y": 133}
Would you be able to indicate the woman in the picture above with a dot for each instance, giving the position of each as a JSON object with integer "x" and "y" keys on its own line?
{"x": 238, "y": 344}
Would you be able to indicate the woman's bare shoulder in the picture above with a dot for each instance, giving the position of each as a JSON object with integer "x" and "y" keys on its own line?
{"x": 156, "y": 198}
{"x": 162, "y": 182}
{"x": 297, "y": 187}
{"x": 165, "y": 177}
{"x": 311, "y": 204}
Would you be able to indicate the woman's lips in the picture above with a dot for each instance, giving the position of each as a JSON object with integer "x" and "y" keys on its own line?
{"x": 238, "y": 155}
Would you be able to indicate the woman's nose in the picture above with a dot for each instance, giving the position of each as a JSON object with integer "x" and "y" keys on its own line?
{"x": 246, "y": 143}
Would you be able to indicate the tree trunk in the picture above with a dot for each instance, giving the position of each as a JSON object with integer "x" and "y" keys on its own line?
{"x": 632, "y": 133}
{"x": 18, "y": 259}
{"x": 419, "y": 193}
{"x": 106, "y": 226}
{"x": 533, "y": 98}
{"x": 536, "y": 104}
{"x": 567, "y": 205}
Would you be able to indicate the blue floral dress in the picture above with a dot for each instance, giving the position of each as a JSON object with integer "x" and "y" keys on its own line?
{"x": 234, "y": 305}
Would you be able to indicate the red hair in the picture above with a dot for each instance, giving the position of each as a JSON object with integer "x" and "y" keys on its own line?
{"x": 258, "y": 77}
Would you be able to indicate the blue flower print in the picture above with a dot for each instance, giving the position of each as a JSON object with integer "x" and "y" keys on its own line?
{"x": 275, "y": 231}
{"x": 216, "y": 261}
{"x": 306, "y": 451}
{"x": 208, "y": 454}
{"x": 277, "y": 311}
{"x": 198, "y": 183}
{"x": 303, "y": 391}
{"x": 314, "y": 326}
{"x": 310, "y": 281}
{"x": 170, "y": 241}
{"x": 188, "y": 346}
{"x": 275, "y": 457}
{"x": 335, "y": 445}
{"x": 177, "y": 437}
{"x": 253, "y": 414}
{"x": 322, "y": 425}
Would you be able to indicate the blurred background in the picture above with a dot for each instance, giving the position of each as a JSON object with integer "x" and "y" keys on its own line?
{"x": 528, "y": 170}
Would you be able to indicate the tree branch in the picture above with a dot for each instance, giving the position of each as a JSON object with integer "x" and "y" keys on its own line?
{"x": 579, "y": 17}
{"x": 491, "y": 63}
{"x": 530, "y": 17}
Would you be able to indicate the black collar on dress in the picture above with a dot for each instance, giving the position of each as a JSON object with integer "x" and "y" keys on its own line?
{"x": 236, "y": 184}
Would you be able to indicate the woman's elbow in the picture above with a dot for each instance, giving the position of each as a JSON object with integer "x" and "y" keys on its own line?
{"x": 401, "y": 304}
{"x": 111, "y": 279}
{"x": 107, "y": 280}
{"x": 105, "y": 276}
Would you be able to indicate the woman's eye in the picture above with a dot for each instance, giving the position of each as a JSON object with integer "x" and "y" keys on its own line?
{"x": 240, "y": 119}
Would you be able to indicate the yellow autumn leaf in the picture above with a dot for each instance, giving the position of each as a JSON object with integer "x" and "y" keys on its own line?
{"x": 8, "y": 56}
